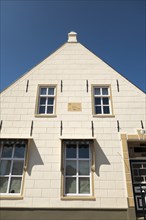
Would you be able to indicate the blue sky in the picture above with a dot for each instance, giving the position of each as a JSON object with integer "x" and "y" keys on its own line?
{"x": 113, "y": 29}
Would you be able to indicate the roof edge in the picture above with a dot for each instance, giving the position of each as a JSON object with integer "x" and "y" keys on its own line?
{"x": 35, "y": 67}
{"x": 115, "y": 69}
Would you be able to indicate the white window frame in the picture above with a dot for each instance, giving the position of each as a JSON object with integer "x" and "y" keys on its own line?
{"x": 12, "y": 159}
{"x": 47, "y": 96}
{"x": 77, "y": 176}
{"x": 101, "y": 96}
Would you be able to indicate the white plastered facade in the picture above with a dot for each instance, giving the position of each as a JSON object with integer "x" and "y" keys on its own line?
{"x": 73, "y": 64}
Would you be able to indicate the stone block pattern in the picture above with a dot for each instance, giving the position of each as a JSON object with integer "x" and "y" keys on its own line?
{"x": 73, "y": 64}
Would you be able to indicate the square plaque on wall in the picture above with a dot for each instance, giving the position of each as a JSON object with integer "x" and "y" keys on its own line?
{"x": 75, "y": 107}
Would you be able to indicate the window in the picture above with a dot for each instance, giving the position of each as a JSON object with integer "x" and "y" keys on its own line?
{"x": 102, "y": 102}
{"x": 46, "y": 102}
{"x": 77, "y": 168}
{"x": 12, "y": 161}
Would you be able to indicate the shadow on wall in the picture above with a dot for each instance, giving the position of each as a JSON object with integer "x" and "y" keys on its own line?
{"x": 100, "y": 158}
{"x": 34, "y": 157}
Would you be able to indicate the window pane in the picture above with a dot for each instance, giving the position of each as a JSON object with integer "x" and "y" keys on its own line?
{"x": 7, "y": 150}
{"x": 104, "y": 91}
{"x": 17, "y": 168}
{"x": 42, "y": 110}
{"x": 50, "y": 101}
{"x": 105, "y": 101}
{"x": 50, "y": 91}
{"x": 98, "y": 110}
{"x": 70, "y": 186}
{"x": 71, "y": 151}
{"x": 97, "y": 101}
{"x": 5, "y": 167}
{"x": 70, "y": 167}
{"x": 83, "y": 151}
{"x": 96, "y": 91}
{"x": 49, "y": 109}
{"x": 84, "y": 185}
{"x": 15, "y": 185}
{"x": 42, "y": 101}
{"x": 3, "y": 184}
{"x": 19, "y": 151}
{"x": 106, "y": 110}
{"x": 84, "y": 168}
{"x": 43, "y": 91}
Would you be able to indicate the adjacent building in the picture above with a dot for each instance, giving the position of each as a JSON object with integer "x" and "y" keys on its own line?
{"x": 73, "y": 142}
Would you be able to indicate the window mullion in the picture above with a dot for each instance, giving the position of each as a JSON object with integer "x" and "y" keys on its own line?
{"x": 46, "y": 105}
{"x": 77, "y": 178}
{"x": 102, "y": 105}
{"x": 46, "y": 100}
{"x": 110, "y": 107}
{"x": 11, "y": 167}
{"x": 8, "y": 186}
{"x": 54, "y": 103}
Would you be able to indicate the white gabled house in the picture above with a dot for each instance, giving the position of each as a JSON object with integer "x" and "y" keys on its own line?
{"x": 73, "y": 142}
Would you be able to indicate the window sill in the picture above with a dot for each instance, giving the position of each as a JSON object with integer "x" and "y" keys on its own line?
{"x": 45, "y": 116}
{"x": 78, "y": 198}
{"x": 104, "y": 116}
{"x": 11, "y": 197}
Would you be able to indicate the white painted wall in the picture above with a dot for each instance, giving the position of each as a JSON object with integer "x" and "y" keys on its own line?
{"x": 73, "y": 64}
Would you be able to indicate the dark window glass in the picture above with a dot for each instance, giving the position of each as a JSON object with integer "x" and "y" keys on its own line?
{"x": 42, "y": 109}
{"x": 135, "y": 172}
{"x": 71, "y": 151}
{"x": 96, "y": 91}
{"x": 50, "y": 101}
{"x": 84, "y": 167}
{"x": 3, "y": 184}
{"x": 15, "y": 185}
{"x": 50, "y": 91}
{"x": 136, "y": 165}
{"x": 105, "y": 101}
{"x": 70, "y": 185}
{"x": 84, "y": 185}
{"x": 19, "y": 151}
{"x": 142, "y": 171}
{"x": 98, "y": 110}
{"x": 43, "y": 91}
{"x": 140, "y": 149}
{"x": 104, "y": 91}
{"x": 83, "y": 151}
{"x": 5, "y": 167}
{"x": 106, "y": 110}
{"x": 71, "y": 167}
{"x": 50, "y": 109}
{"x": 139, "y": 179}
{"x": 97, "y": 101}
{"x": 42, "y": 101}
{"x": 17, "y": 168}
{"x": 7, "y": 150}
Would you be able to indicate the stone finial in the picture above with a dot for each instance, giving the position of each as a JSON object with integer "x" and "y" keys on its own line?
{"x": 72, "y": 37}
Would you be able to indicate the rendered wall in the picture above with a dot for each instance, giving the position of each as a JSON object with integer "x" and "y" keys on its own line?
{"x": 73, "y": 64}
